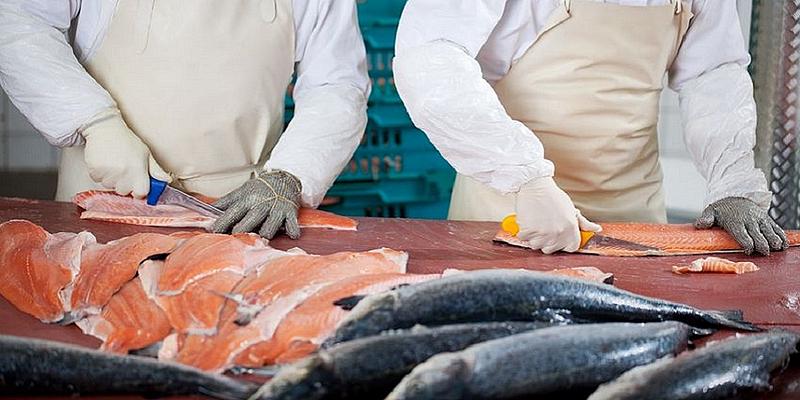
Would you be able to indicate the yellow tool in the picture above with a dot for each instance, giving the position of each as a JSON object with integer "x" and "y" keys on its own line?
{"x": 509, "y": 225}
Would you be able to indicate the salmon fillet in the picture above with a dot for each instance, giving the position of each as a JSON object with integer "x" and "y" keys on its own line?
{"x": 310, "y": 323}
{"x": 716, "y": 265}
{"x": 109, "y": 206}
{"x": 106, "y": 267}
{"x": 130, "y": 321}
{"x": 640, "y": 239}
{"x": 37, "y": 268}
{"x": 264, "y": 298}
{"x": 191, "y": 283}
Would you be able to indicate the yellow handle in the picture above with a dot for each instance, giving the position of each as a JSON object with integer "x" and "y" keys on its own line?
{"x": 509, "y": 225}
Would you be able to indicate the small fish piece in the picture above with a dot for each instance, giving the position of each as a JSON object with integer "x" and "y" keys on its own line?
{"x": 130, "y": 321}
{"x": 720, "y": 370}
{"x": 33, "y": 366}
{"x": 108, "y": 206}
{"x": 373, "y": 366}
{"x": 37, "y": 268}
{"x": 502, "y": 295}
{"x": 716, "y": 265}
{"x": 589, "y": 273}
{"x": 545, "y": 361}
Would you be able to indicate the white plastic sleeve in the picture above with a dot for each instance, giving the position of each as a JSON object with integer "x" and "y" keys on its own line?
{"x": 719, "y": 122}
{"x": 445, "y": 93}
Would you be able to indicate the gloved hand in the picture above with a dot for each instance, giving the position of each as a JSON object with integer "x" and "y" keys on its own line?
{"x": 547, "y": 218}
{"x": 117, "y": 158}
{"x": 269, "y": 201}
{"x": 749, "y": 224}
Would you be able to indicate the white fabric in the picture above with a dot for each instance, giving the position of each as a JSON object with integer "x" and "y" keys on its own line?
{"x": 450, "y": 53}
{"x": 548, "y": 220}
{"x": 44, "y": 42}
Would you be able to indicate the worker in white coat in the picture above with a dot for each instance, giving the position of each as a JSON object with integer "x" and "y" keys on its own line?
{"x": 192, "y": 92}
{"x": 548, "y": 108}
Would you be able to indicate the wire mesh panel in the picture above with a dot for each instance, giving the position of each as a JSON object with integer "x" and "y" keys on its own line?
{"x": 775, "y": 44}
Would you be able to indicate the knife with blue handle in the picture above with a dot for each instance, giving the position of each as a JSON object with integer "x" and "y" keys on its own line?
{"x": 161, "y": 193}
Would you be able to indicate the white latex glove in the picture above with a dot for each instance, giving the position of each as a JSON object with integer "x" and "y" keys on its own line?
{"x": 547, "y": 218}
{"x": 118, "y": 159}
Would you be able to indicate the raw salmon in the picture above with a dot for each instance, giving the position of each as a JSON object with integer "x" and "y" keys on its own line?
{"x": 716, "y": 264}
{"x": 106, "y": 267}
{"x": 109, "y": 206}
{"x": 639, "y": 239}
{"x": 588, "y": 273}
{"x": 36, "y": 267}
{"x": 263, "y": 299}
{"x": 129, "y": 321}
{"x": 195, "y": 277}
{"x": 307, "y": 326}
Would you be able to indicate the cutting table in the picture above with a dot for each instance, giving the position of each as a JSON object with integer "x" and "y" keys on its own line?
{"x": 769, "y": 297}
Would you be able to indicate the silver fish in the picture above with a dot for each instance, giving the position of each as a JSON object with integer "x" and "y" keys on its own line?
{"x": 506, "y": 295}
{"x": 720, "y": 370}
{"x": 373, "y": 366}
{"x": 32, "y": 366}
{"x": 569, "y": 358}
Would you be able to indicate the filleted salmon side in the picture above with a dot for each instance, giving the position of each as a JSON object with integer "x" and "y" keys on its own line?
{"x": 109, "y": 206}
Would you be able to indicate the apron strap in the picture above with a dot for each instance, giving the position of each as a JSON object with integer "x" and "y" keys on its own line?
{"x": 677, "y": 3}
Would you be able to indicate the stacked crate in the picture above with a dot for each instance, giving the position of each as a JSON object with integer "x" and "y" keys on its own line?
{"x": 396, "y": 171}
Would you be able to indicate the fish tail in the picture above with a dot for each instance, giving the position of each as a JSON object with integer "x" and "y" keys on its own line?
{"x": 731, "y": 319}
{"x": 349, "y": 303}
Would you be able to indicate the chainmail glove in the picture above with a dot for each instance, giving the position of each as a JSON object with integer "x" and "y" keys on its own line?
{"x": 266, "y": 203}
{"x": 749, "y": 224}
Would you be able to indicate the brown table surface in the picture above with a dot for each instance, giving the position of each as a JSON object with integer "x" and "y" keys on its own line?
{"x": 769, "y": 297}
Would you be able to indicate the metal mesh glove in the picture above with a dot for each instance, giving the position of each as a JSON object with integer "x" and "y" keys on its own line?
{"x": 749, "y": 224}
{"x": 265, "y": 203}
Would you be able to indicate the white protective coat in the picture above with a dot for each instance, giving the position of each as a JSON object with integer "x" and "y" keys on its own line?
{"x": 450, "y": 54}
{"x": 43, "y": 44}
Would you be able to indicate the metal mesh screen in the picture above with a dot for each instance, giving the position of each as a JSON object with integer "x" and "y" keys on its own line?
{"x": 775, "y": 46}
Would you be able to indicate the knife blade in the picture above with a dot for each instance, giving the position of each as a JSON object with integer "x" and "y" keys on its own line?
{"x": 161, "y": 193}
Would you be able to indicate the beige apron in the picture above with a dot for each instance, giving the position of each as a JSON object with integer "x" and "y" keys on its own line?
{"x": 201, "y": 82}
{"x": 589, "y": 88}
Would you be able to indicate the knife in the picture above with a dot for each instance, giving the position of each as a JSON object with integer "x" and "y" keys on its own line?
{"x": 161, "y": 193}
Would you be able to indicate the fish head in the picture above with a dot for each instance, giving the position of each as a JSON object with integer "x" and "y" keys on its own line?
{"x": 371, "y": 316}
{"x": 441, "y": 377}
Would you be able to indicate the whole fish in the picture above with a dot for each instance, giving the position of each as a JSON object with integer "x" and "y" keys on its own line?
{"x": 505, "y": 295}
{"x": 374, "y": 365}
{"x": 32, "y": 366}
{"x": 568, "y": 358}
{"x": 718, "y": 371}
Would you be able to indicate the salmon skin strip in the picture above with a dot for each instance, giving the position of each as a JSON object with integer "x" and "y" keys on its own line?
{"x": 194, "y": 277}
{"x": 106, "y": 267}
{"x": 109, "y": 206}
{"x": 37, "y": 268}
{"x": 266, "y": 297}
{"x": 716, "y": 264}
{"x": 310, "y": 323}
{"x": 640, "y": 239}
{"x": 130, "y": 321}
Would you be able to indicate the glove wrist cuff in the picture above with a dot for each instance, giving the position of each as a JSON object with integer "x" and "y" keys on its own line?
{"x": 107, "y": 118}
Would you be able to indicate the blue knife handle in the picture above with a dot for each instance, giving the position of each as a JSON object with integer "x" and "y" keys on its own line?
{"x": 156, "y": 188}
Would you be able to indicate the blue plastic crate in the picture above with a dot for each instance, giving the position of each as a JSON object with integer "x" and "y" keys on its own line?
{"x": 418, "y": 197}
{"x": 392, "y": 148}
{"x": 379, "y": 12}
{"x": 379, "y": 42}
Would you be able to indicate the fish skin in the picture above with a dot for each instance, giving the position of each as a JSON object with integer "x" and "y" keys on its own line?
{"x": 719, "y": 370}
{"x": 33, "y": 366}
{"x": 502, "y": 295}
{"x": 372, "y": 366}
{"x": 575, "y": 358}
